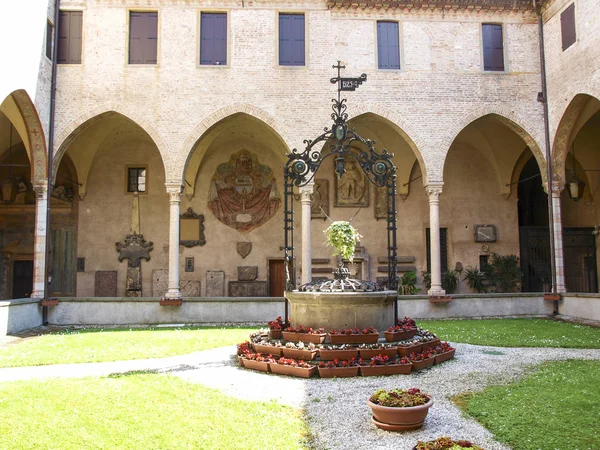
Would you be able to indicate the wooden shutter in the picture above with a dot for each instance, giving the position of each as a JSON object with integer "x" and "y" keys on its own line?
{"x": 291, "y": 40}
{"x": 69, "y": 37}
{"x": 567, "y": 27}
{"x": 443, "y": 249}
{"x": 143, "y": 37}
{"x": 213, "y": 38}
{"x": 493, "y": 47}
{"x": 388, "y": 46}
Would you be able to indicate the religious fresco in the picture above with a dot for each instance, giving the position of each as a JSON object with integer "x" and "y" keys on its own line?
{"x": 243, "y": 193}
{"x": 353, "y": 188}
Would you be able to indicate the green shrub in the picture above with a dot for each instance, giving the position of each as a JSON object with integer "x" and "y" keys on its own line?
{"x": 475, "y": 279}
{"x": 504, "y": 272}
{"x": 407, "y": 284}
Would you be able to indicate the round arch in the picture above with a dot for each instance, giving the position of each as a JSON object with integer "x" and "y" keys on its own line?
{"x": 523, "y": 127}
{"x": 567, "y": 124}
{"x": 182, "y": 158}
{"x": 404, "y": 128}
{"x": 20, "y": 110}
{"x": 73, "y": 129}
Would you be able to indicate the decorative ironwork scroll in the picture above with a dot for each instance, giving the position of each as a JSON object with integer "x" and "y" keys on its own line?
{"x": 343, "y": 144}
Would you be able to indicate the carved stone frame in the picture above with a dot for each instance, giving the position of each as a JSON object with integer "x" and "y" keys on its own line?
{"x": 191, "y": 215}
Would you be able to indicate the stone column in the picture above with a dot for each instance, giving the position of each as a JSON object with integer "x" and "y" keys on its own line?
{"x": 39, "y": 247}
{"x": 559, "y": 262}
{"x": 433, "y": 193}
{"x": 305, "y": 200}
{"x": 174, "y": 191}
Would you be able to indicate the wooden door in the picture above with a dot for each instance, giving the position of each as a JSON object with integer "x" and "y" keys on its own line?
{"x": 22, "y": 279}
{"x": 276, "y": 278}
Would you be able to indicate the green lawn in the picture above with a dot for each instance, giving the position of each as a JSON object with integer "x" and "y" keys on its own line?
{"x": 515, "y": 332}
{"x": 557, "y": 407}
{"x": 97, "y": 345}
{"x": 140, "y": 411}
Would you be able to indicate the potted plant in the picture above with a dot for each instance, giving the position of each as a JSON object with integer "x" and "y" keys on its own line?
{"x": 368, "y": 351}
{"x": 271, "y": 348}
{"x": 422, "y": 360}
{"x": 354, "y": 336}
{"x": 399, "y": 409}
{"x": 475, "y": 279}
{"x": 444, "y": 352}
{"x": 504, "y": 272}
{"x": 307, "y": 334}
{"x": 429, "y": 339}
{"x": 408, "y": 322}
{"x": 407, "y": 284}
{"x": 414, "y": 345}
{"x": 399, "y": 333}
{"x": 338, "y": 368}
{"x": 340, "y": 352}
{"x": 446, "y": 443}
{"x": 256, "y": 361}
{"x": 384, "y": 365}
{"x": 292, "y": 367}
{"x": 342, "y": 236}
{"x": 275, "y": 327}
{"x": 300, "y": 351}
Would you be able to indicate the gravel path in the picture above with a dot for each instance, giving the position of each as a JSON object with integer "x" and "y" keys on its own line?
{"x": 336, "y": 408}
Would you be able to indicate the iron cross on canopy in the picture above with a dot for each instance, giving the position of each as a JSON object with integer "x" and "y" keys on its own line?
{"x": 347, "y": 84}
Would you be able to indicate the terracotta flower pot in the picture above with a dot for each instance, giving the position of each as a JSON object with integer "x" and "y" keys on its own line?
{"x": 340, "y": 372}
{"x": 405, "y": 351}
{"x": 275, "y": 334}
{"x": 395, "y": 336}
{"x": 365, "y": 338}
{"x": 263, "y": 366}
{"x": 371, "y": 353}
{"x": 268, "y": 349}
{"x": 330, "y": 355}
{"x": 311, "y": 338}
{"x": 336, "y": 339}
{"x": 291, "y": 336}
{"x": 391, "y": 369}
{"x": 302, "y": 372}
{"x": 399, "y": 419}
{"x": 430, "y": 344}
{"x": 297, "y": 353}
{"x": 444, "y": 356}
{"x": 420, "y": 365}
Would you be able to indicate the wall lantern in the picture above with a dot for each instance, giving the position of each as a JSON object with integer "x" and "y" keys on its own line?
{"x": 575, "y": 186}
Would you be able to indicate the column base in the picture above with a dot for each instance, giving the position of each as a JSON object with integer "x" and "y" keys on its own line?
{"x": 171, "y": 298}
{"x": 37, "y": 294}
{"x": 438, "y": 296}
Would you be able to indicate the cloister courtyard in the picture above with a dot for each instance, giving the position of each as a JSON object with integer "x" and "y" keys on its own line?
{"x": 527, "y": 383}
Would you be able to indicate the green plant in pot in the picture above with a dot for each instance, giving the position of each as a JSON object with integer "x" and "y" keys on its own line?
{"x": 504, "y": 272}
{"x": 399, "y": 409}
{"x": 407, "y": 284}
{"x": 446, "y": 443}
{"x": 475, "y": 278}
{"x": 342, "y": 236}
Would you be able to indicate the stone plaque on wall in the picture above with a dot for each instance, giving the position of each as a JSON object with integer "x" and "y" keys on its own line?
{"x": 247, "y": 273}
{"x": 160, "y": 282}
{"x": 190, "y": 288}
{"x": 215, "y": 283}
{"x": 247, "y": 288}
{"x": 105, "y": 283}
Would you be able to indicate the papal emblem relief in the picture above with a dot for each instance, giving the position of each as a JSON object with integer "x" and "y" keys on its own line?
{"x": 243, "y": 193}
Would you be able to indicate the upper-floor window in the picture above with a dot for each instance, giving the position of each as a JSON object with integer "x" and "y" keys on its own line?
{"x": 388, "y": 45}
{"x": 291, "y": 40}
{"x": 213, "y": 39}
{"x": 493, "y": 47}
{"x": 567, "y": 27}
{"x": 136, "y": 179}
{"x": 69, "y": 37}
{"x": 143, "y": 37}
{"x": 49, "y": 39}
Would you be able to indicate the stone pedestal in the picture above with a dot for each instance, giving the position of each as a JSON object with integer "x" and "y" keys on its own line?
{"x": 336, "y": 310}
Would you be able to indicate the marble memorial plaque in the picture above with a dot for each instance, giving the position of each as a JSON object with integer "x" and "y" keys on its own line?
{"x": 215, "y": 283}
{"x": 247, "y": 273}
{"x": 160, "y": 282}
{"x": 190, "y": 288}
{"x": 105, "y": 283}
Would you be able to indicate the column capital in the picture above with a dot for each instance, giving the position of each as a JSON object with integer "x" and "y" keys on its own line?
{"x": 40, "y": 188}
{"x": 174, "y": 190}
{"x": 557, "y": 187}
{"x": 433, "y": 190}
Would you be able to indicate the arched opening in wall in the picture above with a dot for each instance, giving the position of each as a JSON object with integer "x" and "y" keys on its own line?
{"x": 579, "y": 200}
{"x": 533, "y": 228}
{"x": 478, "y": 206}
{"x": 114, "y": 172}
{"x": 354, "y": 197}
{"x": 234, "y": 178}
{"x": 17, "y": 214}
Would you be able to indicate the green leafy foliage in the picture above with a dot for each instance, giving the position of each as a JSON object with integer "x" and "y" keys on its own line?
{"x": 399, "y": 398}
{"x": 450, "y": 281}
{"x": 504, "y": 272}
{"x": 342, "y": 236}
{"x": 475, "y": 279}
{"x": 407, "y": 284}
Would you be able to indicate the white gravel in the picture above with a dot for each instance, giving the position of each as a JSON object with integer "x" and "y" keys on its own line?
{"x": 336, "y": 408}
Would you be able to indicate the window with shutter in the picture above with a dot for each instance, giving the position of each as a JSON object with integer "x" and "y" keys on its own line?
{"x": 291, "y": 40}
{"x": 213, "y": 39}
{"x": 493, "y": 47}
{"x": 443, "y": 249}
{"x": 388, "y": 45}
{"x": 143, "y": 37}
{"x": 567, "y": 27}
{"x": 69, "y": 37}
